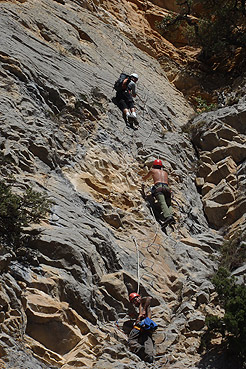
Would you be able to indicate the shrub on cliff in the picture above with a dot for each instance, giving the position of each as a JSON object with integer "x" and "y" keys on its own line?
{"x": 18, "y": 211}
{"x": 232, "y": 298}
{"x": 216, "y": 26}
{"x": 232, "y": 326}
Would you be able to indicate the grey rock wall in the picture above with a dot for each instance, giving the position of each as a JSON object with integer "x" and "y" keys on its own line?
{"x": 65, "y": 297}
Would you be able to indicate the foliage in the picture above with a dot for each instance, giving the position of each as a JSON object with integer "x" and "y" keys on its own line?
{"x": 232, "y": 298}
{"x": 166, "y": 22}
{"x": 232, "y": 325}
{"x": 18, "y": 211}
{"x": 218, "y": 25}
{"x": 223, "y": 27}
{"x": 202, "y": 105}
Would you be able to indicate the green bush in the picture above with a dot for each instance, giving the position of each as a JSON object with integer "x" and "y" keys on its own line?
{"x": 202, "y": 105}
{"x": 17, "y": 212}
{"x": 232, "y": 326}
{"x": 232, "y": 298}
{"x": 216, "y": 26}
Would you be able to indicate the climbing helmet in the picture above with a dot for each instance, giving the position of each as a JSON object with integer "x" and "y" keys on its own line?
{"x": 133, "y": 295}
{"x": 135, "y": 75}
{"x": 158, "y": 162}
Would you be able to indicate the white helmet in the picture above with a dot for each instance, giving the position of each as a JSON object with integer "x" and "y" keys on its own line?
{"x": 135, "y": 75}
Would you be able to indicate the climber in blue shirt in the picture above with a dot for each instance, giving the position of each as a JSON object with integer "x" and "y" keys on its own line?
{"x": 140, "y": 339}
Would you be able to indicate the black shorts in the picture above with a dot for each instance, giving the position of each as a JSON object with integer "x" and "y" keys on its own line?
{"x": 124, "y": 100}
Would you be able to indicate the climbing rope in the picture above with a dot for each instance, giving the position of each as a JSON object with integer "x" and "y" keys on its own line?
{"x": 138, "y": 274}
{"x": 144, "y": 264}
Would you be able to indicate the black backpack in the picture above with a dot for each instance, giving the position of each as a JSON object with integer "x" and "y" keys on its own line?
{"x": 119, "y": 81}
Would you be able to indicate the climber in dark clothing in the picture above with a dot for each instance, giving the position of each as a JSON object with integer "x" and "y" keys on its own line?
{"x": 124, "y": 98}
{"x": 161, "y": 191}
{"x": 140, "y": 340}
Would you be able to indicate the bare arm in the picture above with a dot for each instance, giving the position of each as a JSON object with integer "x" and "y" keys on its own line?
{"x": 144, "y": 309}
{"x": 147, "y": 176}
{"x": 132, "y": 87}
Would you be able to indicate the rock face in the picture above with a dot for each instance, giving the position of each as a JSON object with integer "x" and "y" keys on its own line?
{"x": 64, "y": 303}
{"x": 221, "y": 142}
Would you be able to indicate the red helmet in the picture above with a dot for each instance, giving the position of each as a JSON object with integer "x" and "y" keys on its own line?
{"x": 158, "y": 162}
{"x": 133, "y": 295}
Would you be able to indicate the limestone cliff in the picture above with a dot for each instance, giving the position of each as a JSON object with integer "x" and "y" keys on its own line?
{"x": 64, "y": 299}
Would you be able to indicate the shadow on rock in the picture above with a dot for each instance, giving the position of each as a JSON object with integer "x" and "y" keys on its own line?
{"x": 219, "y": 358}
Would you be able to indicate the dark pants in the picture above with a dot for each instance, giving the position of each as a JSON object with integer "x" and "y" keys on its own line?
{"x": 162, "y": 193}
{"x": 141, "y": 343}
{"x": 124, "y": 100}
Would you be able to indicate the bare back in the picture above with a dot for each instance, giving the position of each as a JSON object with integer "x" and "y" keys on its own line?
{"x": 159, "y": 175}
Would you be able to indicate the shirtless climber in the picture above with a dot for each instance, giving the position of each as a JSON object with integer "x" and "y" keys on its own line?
{"x": 161, "y": 191}
{"x": 124, "y": 98}
{"x": 140, "y": 340}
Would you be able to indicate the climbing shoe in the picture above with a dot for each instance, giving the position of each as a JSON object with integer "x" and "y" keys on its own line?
{"x": 169, "y": 220}
{"x": 149, "y": 359}
{"x": 130, "y": 122}
{"x": 129, "y": 125}
{"x": 126, "y": 118}
{"x": 134, "y": 119}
